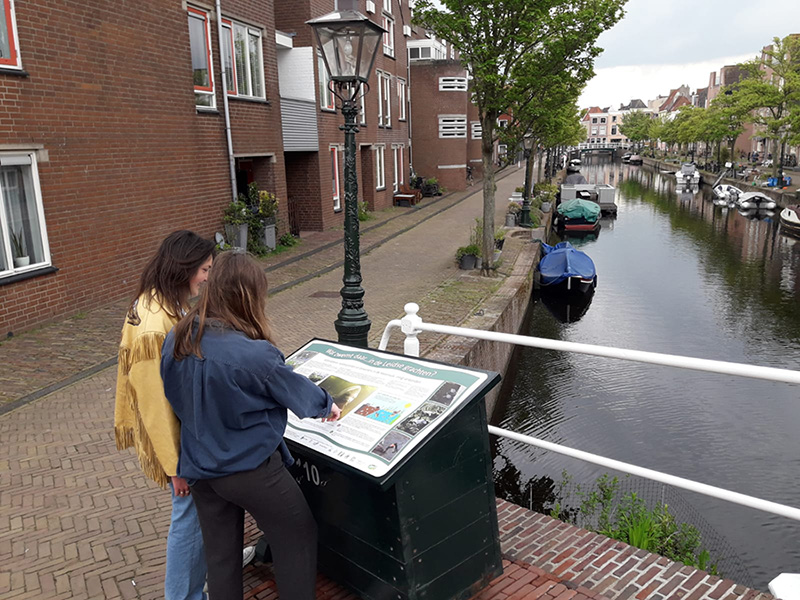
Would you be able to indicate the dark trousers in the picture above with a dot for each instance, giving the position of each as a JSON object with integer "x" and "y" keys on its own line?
{"x": 272, "y": 496}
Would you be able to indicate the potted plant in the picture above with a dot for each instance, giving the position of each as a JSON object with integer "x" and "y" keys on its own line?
{"x": 430, "y": 187}
{"x": 268, "y": 213}
{"x": 499, "y": 238}
{"x": 467, "y": 256}
{"x": 21, "y": 258}
{"x": 512, "y": 214}
{"x": 235, "y": 219}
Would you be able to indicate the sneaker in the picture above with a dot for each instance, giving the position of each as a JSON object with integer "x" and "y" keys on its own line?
{"x": 248, "y": 554}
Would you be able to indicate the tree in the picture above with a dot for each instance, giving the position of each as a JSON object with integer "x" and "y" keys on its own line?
{"x": 637, "y": 126}
{"x": 770, "y": 92}
{"x": 515, "y": 50}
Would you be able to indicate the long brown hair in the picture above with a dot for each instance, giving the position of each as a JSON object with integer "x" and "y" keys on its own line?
{"x": 235, "y": 295}
{"x": 167, "y": 276}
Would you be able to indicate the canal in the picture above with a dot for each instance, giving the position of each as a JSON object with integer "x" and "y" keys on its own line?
{"x": 680, "y": 276}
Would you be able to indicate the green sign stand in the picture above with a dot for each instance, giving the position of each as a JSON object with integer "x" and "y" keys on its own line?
{"x": 426, "y": 528}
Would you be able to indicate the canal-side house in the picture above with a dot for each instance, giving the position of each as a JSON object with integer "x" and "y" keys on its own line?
{"x": 314, "y": 143}
{"x": 113, "y": 134}
{"x": 730, "y": 75}
{"x": 445, "y": 125}
{"x": 596, "y": 123}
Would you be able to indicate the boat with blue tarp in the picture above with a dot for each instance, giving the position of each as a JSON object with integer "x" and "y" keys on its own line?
{"x": 567, "y": 269}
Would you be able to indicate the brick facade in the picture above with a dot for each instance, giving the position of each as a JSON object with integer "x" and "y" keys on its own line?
{"x": 125, "y": 157}
{"x": 315, "y": 198}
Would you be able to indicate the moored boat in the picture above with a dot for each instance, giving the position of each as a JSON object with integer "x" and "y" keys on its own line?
{"x": 566, "y": 269}
{"x": 635, "y": 159}
{"x": 688, "y": 175}
{"x": 600, "y": 193}
{"x": 790, "y": 219}
{"x": 578, "y": 215}
{"x": 727, "y": 192}
{"x": 756, "y": 200}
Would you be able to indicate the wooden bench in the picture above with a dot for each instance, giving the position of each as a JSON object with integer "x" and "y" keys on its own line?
{"x": 406, "y": 196}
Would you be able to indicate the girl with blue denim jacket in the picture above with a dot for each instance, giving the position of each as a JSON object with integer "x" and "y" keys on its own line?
{"x": 230, "y": 389}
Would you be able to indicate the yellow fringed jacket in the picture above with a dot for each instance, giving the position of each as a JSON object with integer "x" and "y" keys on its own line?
{"x": 143, "y": 418}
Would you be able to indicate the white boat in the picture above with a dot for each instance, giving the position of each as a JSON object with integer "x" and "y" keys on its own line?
{"x": 756, "y": 200}
{"x": 601, "y": 193}
{"x": 790, "y": 219}
{"x": 688, "y": 174}
{"x": 575, "y": 162}
{"x": 727, "y": 192}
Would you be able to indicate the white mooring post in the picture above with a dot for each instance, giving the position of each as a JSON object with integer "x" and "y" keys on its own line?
{"x": 410, "y": 326}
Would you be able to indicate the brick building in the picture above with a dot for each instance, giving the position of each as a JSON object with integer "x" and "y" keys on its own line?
{"x": 445, "y": 124}
{"x": 314, "y": 144}
{"x": 113, "y": 134}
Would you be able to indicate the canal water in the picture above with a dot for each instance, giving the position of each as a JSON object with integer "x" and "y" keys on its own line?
{"x": 679, "y": 276}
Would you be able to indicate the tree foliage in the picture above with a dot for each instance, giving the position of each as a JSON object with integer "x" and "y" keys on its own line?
{"x": 519, "y": 53}
{"x": 637, "y": 126}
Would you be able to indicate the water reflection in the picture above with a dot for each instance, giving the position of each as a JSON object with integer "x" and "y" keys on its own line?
{"x": 682, "y": 276}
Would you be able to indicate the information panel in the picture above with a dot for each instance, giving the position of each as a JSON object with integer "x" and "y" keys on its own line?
{"x": 389, "y": 403}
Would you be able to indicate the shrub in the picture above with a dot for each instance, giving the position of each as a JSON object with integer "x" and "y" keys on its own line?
{"x": 363, "y": 211}
{"x": 470, "y": 250}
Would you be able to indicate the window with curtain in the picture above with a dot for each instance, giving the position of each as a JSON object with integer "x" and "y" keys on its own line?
{"x": 325, "y": 93}
{"x": 380, "y": 172}
{"x": 337, "y": 196}
{"x": 241, "y": 52}
{"x": 24, "y": 238}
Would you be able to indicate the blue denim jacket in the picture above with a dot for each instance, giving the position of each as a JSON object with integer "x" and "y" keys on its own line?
{"x": 232, "y": 403}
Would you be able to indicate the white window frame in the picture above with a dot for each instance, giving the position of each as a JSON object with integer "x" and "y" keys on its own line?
{"x": 200, "y": 91}
{"x": 395, "y": 172}
{"x": 380, "y": 98}
{"x": 452, "y": 84}
{"x": 387, "y": 99}
{"x": 401, "y": 99}
{"x": 232, "y": 27}
{"x": 380, "y": 166}
{"x": 387, "y": 6}
{"x": 23, "y": 158}
{"x": 452, "y": 126}
{"x": 336, "y": 183}
{"x": 363, "y": 102}
{"x": 13, "y": 61}
{"x": 388, "y": 36}
{"x": 476, "y": 130}
{"x": 326, "y": 102}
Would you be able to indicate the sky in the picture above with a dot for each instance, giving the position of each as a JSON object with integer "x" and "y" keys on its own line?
{"x": 662, "y": 44}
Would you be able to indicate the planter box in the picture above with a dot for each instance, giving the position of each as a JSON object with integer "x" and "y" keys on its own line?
{"x": 270, "y": 237}
{"x": 467, "y": 262}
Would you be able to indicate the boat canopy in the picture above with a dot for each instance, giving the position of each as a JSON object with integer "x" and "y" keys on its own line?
{"x": 579, "y": 209}
{"x": 562, "y": 261}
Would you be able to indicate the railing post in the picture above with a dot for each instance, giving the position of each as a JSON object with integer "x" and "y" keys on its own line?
{"x": 409, "y": 326}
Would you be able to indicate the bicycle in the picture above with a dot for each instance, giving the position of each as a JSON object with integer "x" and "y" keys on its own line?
{"x": 470, "y": 179}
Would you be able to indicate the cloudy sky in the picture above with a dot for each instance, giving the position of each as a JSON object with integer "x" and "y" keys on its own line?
{"x": 663, "y": 44}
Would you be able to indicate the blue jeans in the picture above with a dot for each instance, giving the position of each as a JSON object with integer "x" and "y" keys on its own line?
{"x": 186, "y": 560}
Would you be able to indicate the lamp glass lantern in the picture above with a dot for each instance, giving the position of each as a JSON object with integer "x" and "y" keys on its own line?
{"x": 349, "y": 42}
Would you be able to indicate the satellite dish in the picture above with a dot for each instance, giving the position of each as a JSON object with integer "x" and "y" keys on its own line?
{"x": 219, "y": 238}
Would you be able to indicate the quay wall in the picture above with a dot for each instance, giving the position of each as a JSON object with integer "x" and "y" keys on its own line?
{"x": 504, "y": 312}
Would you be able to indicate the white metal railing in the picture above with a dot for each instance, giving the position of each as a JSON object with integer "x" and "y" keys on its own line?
{"x": 600, "y": 145}
{"x": 412, "y": 325}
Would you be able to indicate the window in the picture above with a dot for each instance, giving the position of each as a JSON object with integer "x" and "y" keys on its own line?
{"x": 201, "y": 59}
{"x": 387, "y": 6}
{"x": 9, "y": 56}
{"x": 452, "y": 84}
{"x": 245, "y": 74}
{"x": 388, "y": 37}
{"x": 397, "y": 163}
{"x": 614, "y": 130}
{"x": 452, "y": 53}
{"x": 380, "y": 175}
{"x": 502, "y": 123}
{"x": 594, "y": 130}
{"x": 325, "y": 93}
{"x": 384, "y": 99}
{"x": 401, "y": 99}
{"x": 363, "y": 101}
{"x": 419, "y": 53}
{"x": 594, "y": 120}
{"x": 476, "y": 130}
{"x": 23, "y": 239}
{"x": 602, "y": 119}
{"x": 613, "y": 119}
{"x": 452, "y": 126}
{"x": 337, "y": 197}
{"x": 603, "y": 130}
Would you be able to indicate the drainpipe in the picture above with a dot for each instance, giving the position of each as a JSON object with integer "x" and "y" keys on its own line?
{"x": 225, "y": 110}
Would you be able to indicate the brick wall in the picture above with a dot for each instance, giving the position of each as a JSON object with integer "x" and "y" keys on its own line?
{"x": 109, "y": 97}
{"x": 291, "y": 17}
{"x": 431, "y": 152}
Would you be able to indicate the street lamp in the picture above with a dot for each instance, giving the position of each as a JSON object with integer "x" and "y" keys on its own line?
{"x": 349, "y": 42}
{"x": 525, "y": 215}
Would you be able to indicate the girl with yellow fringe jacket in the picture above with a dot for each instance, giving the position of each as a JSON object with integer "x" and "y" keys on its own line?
{"x": 143, "y": 419}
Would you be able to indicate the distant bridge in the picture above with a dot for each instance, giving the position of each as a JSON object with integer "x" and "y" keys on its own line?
{"x": 599, "y": 146}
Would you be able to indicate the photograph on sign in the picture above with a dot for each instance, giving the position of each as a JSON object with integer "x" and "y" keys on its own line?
{"x": 390, "y": 404}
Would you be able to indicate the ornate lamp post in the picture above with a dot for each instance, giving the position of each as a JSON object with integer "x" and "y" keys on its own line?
{"x": 349, "y": 42}
{"x": 525, "y": 215}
